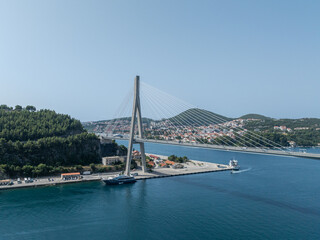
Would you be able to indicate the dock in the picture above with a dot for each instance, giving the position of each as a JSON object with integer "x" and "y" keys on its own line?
{"x": 191, "y": 167}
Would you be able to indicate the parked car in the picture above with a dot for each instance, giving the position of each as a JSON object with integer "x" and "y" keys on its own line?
{"x": 28, "y": 180}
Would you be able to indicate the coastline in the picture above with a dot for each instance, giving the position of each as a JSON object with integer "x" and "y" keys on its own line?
{"x": 191, "y": 167}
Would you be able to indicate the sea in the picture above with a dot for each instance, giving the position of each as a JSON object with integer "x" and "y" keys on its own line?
{"x": 270, "y": 198}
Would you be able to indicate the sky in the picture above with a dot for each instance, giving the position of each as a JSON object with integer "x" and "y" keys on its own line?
{"x": 230, "y": 57}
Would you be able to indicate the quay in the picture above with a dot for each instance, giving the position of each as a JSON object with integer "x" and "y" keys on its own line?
{"x": 191, "y": 167}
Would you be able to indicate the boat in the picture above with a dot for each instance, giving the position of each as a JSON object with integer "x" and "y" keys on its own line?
{"x": 234, "y": 164}
{"x": 119, "y": 179}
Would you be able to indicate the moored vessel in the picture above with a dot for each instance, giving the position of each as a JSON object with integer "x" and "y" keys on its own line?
{"x": 119, "y": 179}
{"x": 234, "y": 164}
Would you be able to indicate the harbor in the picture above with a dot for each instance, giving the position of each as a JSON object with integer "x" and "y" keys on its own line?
{"x": 190, "y": 167}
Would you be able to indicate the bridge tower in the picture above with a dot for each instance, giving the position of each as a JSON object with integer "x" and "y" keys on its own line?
{"x": 136, "y": 116}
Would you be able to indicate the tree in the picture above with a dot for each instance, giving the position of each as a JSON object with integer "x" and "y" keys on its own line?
{"x": 93, "y": 167}
{"x": 30, "y": 108}
{"x": 41, "y": 169}
{"x": 79, "y": 167}
{"x": 122, "y": 150}
{"x": 18, "y": 108}
{"x": 5, "y": 107}
{"x": 27, "y": 170}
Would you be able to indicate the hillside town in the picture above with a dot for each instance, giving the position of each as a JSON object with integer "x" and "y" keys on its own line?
{"x": 302, "y": 132}
{"x": 166, "y": 130}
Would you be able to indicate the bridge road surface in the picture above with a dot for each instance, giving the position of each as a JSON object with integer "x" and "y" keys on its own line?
{"x": 227, "y": 148}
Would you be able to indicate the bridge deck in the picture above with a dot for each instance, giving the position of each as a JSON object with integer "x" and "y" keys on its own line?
{"x": 228, "y": 148}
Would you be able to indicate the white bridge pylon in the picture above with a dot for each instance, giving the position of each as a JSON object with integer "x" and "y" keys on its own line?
{"x": 136, "y": 117}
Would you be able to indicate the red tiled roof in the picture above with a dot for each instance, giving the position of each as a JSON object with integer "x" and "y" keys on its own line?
{"x": 151, "y": 163}
{"x": 70, "y": 174}
{"x": 170, "y": 162}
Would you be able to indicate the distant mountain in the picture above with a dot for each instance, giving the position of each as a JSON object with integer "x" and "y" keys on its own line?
{"x": 255, "y": 116}
{"x": 193, "y": 116}
{"x": 197, "y": 117}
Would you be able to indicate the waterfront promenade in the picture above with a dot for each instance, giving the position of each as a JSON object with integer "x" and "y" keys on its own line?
{"x": 191, "y": 167}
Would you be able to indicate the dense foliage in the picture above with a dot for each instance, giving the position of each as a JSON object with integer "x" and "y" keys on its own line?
{"x": 43, "y": 142}
{"x": 75, "y": 149}
{"x": 177, "y": 159}
{"x": 26, "y": 124}
{"x": 255, "y": 116}
{"x": 113, "y": 149}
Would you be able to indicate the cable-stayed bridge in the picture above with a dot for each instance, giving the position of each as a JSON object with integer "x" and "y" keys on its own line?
{"x": 222, "y": 148}
{"x": 169, "y": 120}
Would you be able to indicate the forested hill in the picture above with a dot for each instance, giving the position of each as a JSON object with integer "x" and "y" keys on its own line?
{"x": 26, "y": 125}
{"x": 198, "y": 117}
{"x": 255, "y": 116}
{"x": 29, "y": 138}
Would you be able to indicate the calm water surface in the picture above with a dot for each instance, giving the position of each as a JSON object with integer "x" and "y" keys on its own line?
{"x": 276, "y": 198}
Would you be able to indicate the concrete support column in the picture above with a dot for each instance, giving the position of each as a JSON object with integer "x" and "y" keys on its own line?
{"x": 136, "y": 113}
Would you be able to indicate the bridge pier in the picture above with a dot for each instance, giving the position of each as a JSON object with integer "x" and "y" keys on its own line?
{"x": 136, "y": 114}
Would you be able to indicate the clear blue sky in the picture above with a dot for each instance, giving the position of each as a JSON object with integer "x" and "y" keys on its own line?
{"x": 230, "y": 57}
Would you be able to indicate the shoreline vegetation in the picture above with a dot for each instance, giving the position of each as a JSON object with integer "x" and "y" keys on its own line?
{"x": 186, "y": 167}
{"x": 36, "y": 143}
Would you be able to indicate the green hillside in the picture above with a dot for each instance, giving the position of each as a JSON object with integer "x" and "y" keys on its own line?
{"x": 29, "y": 138}
{"x": 268, "y": 124}
{"x": 197, "y": 117}
{"x": 254, "y": 116}
{"x": 26, "y": 125}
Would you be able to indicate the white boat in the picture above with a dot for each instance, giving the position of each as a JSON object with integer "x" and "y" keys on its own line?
{"x": 234, "y": 164}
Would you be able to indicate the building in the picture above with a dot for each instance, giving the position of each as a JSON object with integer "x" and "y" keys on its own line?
{"x": 292, "y": 143}
{"x": 281, "y": 128}
{"x": 154, "y": 157}
{"x": 136, "y": 155}
{"x": 112, "y": 160}
{"x": 151, "y": 163}
{"x": 70, "y": 176}
{"x": 170, "y": 162}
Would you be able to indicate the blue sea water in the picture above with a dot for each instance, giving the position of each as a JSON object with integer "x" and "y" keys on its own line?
{"x": 276, "y": 198}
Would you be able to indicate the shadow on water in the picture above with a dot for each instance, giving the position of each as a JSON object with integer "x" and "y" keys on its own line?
{"x": 280, "y": 204}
